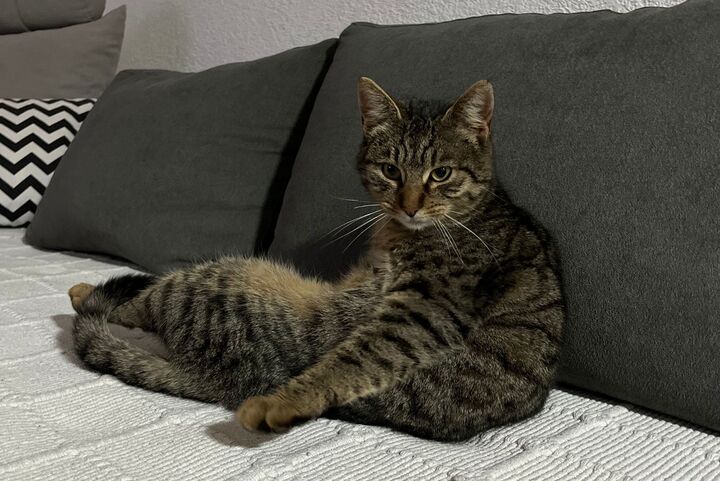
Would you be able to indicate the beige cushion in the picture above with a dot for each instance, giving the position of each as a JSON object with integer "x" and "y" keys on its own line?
{"x": 18, "y": 16}
{"x": 71, "y": 62}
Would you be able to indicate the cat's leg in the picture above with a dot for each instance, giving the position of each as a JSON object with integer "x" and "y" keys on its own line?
{"x": 78, "y": 293}
{"x": 453, "y": 400}
{"x": 233, "y": 329}
{"x": 247, "y": 325}
{"x": 122, "y": 292}
{"x": 502, "y": 375}
{"x": 102, "y": 350}
{"x": 408, "y": 332}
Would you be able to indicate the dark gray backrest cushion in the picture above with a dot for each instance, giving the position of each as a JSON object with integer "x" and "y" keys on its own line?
{"x": 24, "y": 15}
{"x": 62, "y": 63}
{"x": 607, "y": 129}
{"x": 171, "y": 167}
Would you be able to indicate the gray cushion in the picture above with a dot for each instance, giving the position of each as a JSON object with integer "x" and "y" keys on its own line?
{"x": 606, "y": 129}
{"x": 63, "y": 63}
{"x": 171, "y": 168}
{"x": 24, "y": 15}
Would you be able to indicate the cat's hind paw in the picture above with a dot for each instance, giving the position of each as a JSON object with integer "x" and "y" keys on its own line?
{"x": 78, "y": 293}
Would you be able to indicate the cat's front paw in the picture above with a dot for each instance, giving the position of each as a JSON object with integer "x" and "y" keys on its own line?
{"x": 262, "y": 413}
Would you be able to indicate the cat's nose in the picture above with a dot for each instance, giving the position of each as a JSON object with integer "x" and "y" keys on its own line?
{"x": 411, "y": 199}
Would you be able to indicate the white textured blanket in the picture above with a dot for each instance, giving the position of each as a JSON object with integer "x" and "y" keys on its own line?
{"x": 60, "y": 421}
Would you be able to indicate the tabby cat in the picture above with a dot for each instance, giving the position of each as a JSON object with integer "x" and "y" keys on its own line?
{"x": 451, "y": 324}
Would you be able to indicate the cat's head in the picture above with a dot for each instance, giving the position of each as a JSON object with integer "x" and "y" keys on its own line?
{"x": 421, "y": 167}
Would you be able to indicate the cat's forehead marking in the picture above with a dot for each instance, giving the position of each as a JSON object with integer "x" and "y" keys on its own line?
{"x": 418, "y": 148}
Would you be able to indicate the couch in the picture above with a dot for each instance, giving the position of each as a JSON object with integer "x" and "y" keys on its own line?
{"x": 169, "y": 168}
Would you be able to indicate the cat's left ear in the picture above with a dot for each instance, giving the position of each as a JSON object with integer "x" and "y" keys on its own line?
{"x": 472, "y": 112}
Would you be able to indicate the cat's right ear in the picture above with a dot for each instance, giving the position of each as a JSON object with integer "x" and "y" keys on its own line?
{"x": 378, "y": 109}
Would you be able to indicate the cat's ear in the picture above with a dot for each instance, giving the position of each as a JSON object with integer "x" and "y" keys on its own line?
{"x": 378, "y": 109}
{"x": 472, "y": 112}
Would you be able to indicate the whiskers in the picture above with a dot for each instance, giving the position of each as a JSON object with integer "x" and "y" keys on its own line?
{"x": 491, "y": 192}
{"x": 448, "y": 239}
{"x": 347, "y": 199}
{"x": 360, "y": 224}
{"x": 375, "y": 221}
{"x": 474, "y": 234}
{"x": 364, "y": 203}
{"x": 337, "y": 230}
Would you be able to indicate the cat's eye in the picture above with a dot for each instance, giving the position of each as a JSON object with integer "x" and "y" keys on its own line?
{"x": 391, "y": 172}
{"x": 440, "y": 174}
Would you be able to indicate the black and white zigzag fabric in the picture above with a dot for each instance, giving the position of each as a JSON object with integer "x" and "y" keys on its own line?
{"x": 34, "y": 135}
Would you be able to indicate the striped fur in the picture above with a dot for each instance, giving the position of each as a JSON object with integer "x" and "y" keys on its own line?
{"x": 451, "y": 325}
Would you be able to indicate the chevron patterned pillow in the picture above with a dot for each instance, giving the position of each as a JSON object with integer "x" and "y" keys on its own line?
{"x": 34, "y": 135}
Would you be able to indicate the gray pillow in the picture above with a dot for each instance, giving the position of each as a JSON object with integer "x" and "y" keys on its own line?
{"x": 171, "y": 168}
{"x": 63, "y": 63}
{"x": 24, "y": 15}
{"x": 606, "y": 129}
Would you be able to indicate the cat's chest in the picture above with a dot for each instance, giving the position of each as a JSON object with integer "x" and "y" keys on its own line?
{"x": 381, "y": 269}
{"x": 419, "y": 258}
{"x": 391, "y": 264}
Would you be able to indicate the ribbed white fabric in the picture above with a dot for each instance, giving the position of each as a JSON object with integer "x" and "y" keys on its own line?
{"x": 60, "y": 421}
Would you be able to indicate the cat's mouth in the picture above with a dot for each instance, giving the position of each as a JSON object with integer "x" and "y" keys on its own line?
{"x": 413, "y": 223}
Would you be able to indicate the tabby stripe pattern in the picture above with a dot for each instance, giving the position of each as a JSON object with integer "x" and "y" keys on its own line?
{"x": 34, "y": 135}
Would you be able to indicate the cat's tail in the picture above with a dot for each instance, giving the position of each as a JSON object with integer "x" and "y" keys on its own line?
{"x": 106, "y": 353}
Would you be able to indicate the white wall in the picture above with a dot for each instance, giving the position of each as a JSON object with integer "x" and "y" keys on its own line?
{"x": 192, "y": 35}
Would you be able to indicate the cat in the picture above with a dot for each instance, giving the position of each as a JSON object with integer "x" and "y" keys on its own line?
{"x": 452, "y": 324}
